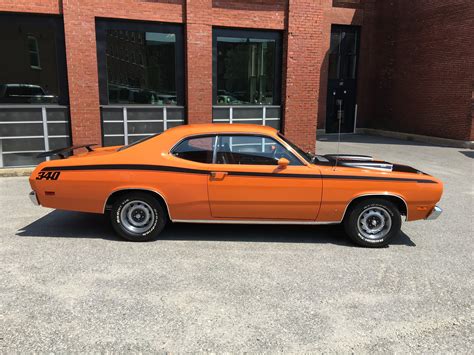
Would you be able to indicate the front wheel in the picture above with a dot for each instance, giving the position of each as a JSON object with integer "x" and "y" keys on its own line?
{"x": 138, "y": 217}
{"x": 373, "y": 222}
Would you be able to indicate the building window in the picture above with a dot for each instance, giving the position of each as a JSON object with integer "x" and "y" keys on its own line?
{"x": 148, "y": 72}
{"x": 343, "y": 53}
{"x": 247, "y": 67}
{"x": 21, "y": 38}
{"x": 33, "y": 103}
{"x": 141, "y": 81}
{"x": 34, "y": 52}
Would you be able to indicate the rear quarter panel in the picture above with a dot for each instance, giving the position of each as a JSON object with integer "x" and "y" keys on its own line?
{"x": 87, "y": 190}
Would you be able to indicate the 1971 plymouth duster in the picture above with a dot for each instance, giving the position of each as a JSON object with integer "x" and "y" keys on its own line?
{"x": 222, "y": 173}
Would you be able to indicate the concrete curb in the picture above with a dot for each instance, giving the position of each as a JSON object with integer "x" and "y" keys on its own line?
{"x": 12, "y": 172}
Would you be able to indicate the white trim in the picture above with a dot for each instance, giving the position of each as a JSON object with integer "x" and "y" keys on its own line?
{"x": 245, "y": 106}
{"x": 125, "y": 125}
{"x": 382, "y": 194}
{"x": 165, "y": 119}
{"x": 151, "y": 106}
{"x": 29, "y": 122}
{"x": 245, "y": 119}
{"x": 238, "y": 221}
{"x": 141, "y": 189}
{"x": 24, "y": 151}
{"x": 140, "y": 134}
{"x": 355, "y": 118}
{"x": 31, "y": 137}
{"x": 138, "y": 121}
{"x": 10, "y": 106}
{"x": 19, "y": 122}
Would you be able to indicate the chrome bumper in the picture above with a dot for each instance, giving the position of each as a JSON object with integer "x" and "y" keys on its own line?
{"x": 435, "y": 213}
{"x": 33, "y": 198}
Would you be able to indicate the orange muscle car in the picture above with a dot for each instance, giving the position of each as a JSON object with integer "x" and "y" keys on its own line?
{"x": 222, "y": 173}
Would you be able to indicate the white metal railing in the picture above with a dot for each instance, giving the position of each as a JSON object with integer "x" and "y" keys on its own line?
{"x": 44, "y": 122}
{"x": 231, "y": 108}
{"x": 125, "y": 121}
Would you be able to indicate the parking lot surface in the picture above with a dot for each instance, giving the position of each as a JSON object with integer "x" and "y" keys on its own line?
{"x": 68, "y": 284}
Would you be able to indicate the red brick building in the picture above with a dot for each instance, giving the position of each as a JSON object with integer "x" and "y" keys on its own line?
{"x": 125, "y": 69}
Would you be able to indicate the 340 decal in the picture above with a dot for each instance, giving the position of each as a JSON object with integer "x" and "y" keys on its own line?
{"x": 50, "y": 175}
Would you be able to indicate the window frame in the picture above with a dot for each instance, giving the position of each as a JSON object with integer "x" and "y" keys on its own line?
{"x": 197, "y": 136}
{"x": 257, "y": 34}
{"x": 285, "y": 145}
{"x": 104, "y": 24}
{"x": 257, "y": 136}
{"x": 36, "y": 52}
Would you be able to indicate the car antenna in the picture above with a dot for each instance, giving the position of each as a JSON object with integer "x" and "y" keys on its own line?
{"x": 339, "y": 116}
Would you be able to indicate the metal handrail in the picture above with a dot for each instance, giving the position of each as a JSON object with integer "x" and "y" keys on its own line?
{"x": 31, "y": 106}
{"x": 245, "y": 106}
{"x": 139, "y": 106}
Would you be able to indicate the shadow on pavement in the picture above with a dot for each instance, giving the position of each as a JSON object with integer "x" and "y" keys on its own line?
{"x": 467, "y": 153}
{"x": 66, "y": 224}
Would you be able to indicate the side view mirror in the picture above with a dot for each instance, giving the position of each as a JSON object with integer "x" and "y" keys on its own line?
{"x": 283, "y": 163}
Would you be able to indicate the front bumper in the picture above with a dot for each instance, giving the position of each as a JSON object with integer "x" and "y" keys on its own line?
{"x": 33, "y": 198}
{"x": 435, "y": 213}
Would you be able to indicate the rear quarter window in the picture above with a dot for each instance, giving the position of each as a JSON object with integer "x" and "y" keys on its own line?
{"x": 197, "y": 149}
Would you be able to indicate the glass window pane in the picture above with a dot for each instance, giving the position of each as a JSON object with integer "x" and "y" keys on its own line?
{"x": 245, "y": 71}
{"x": 141, "y": 72}
{"x": 29, "y": 60}
{"x": 21, "y": 159}
{"x": 197, "y": 149}
{"x": 343, "y": 54}
{"x": 251, "y": 150}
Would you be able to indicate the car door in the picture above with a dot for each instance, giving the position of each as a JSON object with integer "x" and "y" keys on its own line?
{"x": 247, "y": 183}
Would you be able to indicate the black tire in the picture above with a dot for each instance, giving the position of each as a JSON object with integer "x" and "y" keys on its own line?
{"x": 145, "y": 209}
{"x": 368, "y": 216}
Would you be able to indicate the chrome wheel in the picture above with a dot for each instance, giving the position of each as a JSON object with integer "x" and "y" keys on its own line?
{"x": 137, "y": 216}
{"x": 374, "y": 223}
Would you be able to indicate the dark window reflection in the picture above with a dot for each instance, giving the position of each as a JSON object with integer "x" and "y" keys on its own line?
{"x": 245, "y": 71}
{"x": 343, "y": 54}
{"x": 141, "y": 67}
{"x": 28, "y": 60}
{"x": 252, "y": 150}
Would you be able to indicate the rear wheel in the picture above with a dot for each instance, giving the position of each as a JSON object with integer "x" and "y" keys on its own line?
{"x": 138, "y": 217}
{"x": 373, "y": 222}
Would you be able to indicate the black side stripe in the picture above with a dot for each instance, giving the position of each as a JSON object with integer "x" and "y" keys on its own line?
{"x": 235, "y": 173}
{"x": 377, "y": 178}
{"x": 126, "y": 167}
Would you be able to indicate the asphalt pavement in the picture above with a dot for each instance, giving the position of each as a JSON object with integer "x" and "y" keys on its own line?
{"x": 67, "y": 283}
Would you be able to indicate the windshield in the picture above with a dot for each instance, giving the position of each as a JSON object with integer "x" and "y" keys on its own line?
{"x": 137, "y": 142}
{"x": 306, "y": 155}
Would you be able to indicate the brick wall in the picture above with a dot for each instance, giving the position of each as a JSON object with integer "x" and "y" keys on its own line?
{"x": 425, "y": 68}
{"x": 38, "y": 7}
{"x": 415, "y": 66}
{"x": 303, "y": 62}
{"x": 199, "y": 60}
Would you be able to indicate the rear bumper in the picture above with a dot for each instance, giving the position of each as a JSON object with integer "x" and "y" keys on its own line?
{"x": 435, "y": 213}
{"x": 33, "y": 198}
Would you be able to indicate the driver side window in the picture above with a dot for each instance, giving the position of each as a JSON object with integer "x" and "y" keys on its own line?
{"x": 251, "y": 150}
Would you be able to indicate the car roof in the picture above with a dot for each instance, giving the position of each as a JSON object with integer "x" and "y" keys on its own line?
{"x": 209, "y": 128}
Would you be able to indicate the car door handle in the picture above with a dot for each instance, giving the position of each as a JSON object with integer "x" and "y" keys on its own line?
{"x": 218, "y": 175}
